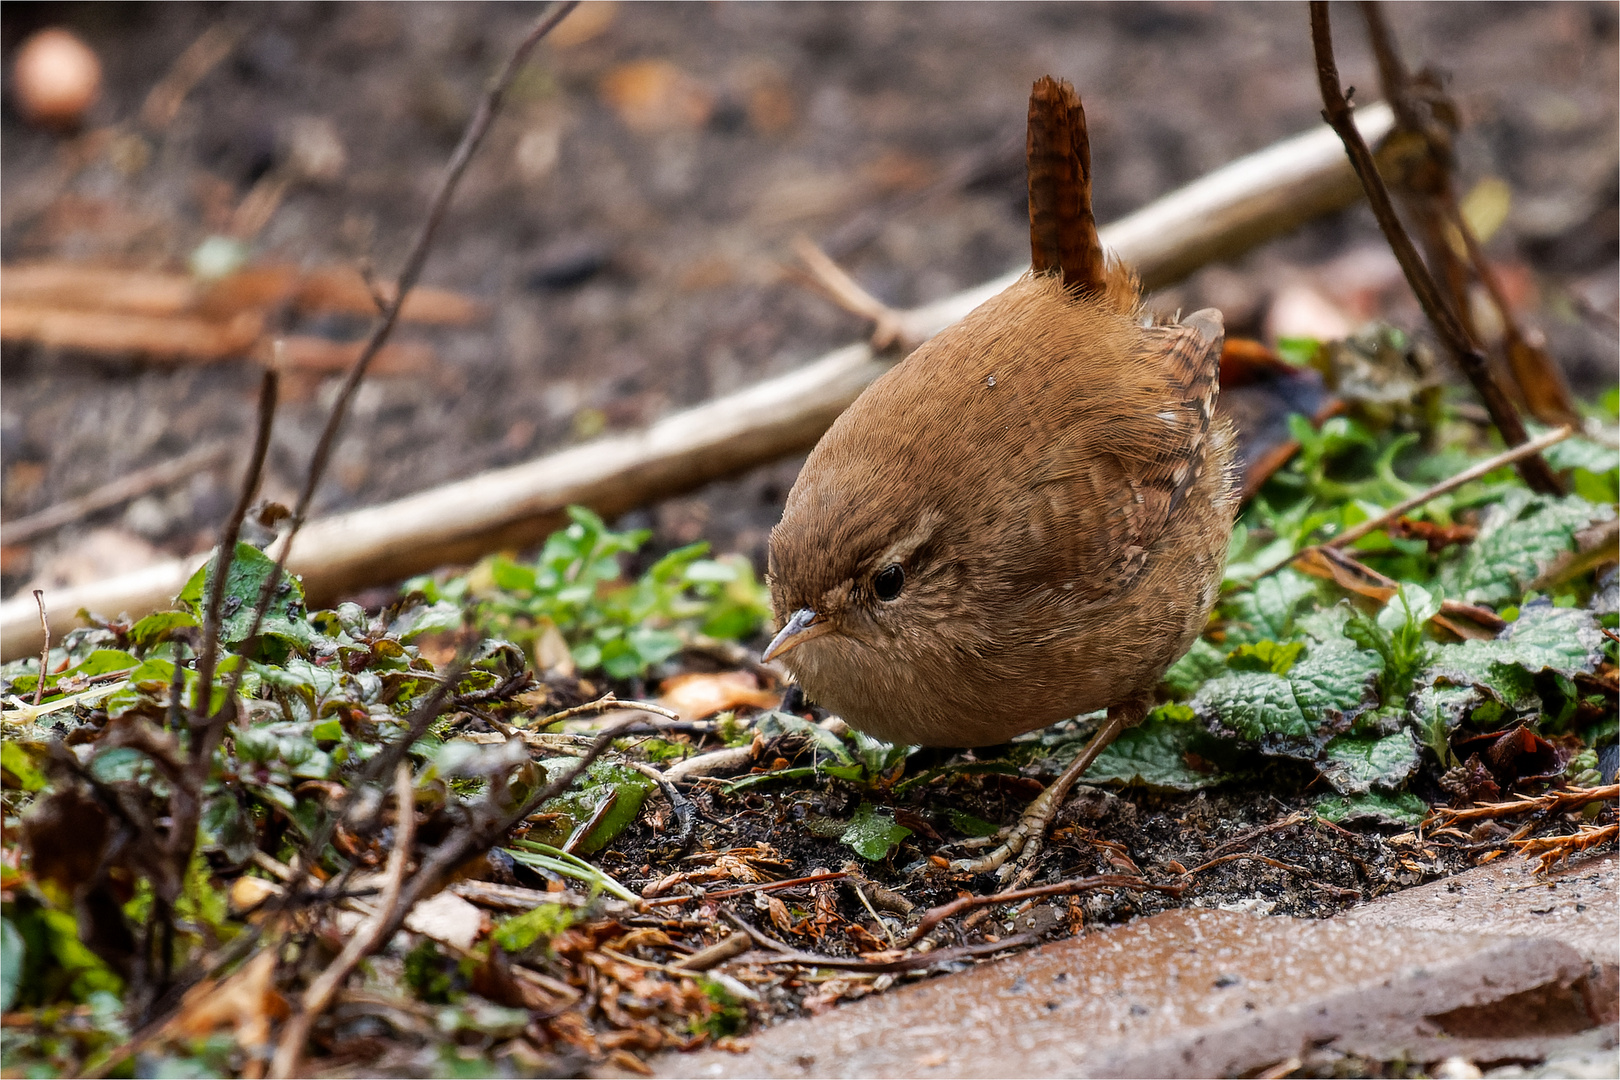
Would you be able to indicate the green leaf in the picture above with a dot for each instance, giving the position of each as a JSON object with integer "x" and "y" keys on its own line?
{"x": 1202, "y": 663}
{"x": 1582, "y": 453}
{"x": 284, "y": 620}
{"x": 156, "y": 627}
{"x": 576, "y": 806}
{"x": 1299, "y": 351}
{"x": 1292, "y": 715}
{"x": 777, "y": 722}
{"x": 1353, "y": 765}
{"x": 968, "y": 825}
{"x": 436, "y": 618}
{"x": 1266, "y": 612}
{"x": 20, "y": 770}
{"x": 1375, "y": 808}
{"x": 546, "y": 921}
{"x": 1566, "y": 641}
{"x": 11, "y": 964}
{"x": 1265, "y": 656}
{"x": 873, "y": 834}
{"x": 1519, "y": 538}
{"x": 1166, "y": 752}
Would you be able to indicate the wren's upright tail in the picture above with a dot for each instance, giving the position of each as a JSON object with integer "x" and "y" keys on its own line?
{"x": 1062, "y": 230}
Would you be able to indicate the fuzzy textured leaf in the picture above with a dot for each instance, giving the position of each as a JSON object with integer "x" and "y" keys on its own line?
{"x": 1292, "y": 715}
{"x": 1520, "y": 537}
{"x": 1354, "y": 765}
{"x": 1162, "y": 754}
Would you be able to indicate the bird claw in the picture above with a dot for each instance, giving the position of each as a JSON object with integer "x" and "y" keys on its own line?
{"x": 1022, "y": 840}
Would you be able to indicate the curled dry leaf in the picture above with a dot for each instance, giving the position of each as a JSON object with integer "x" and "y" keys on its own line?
{"x": 698, "y": 695}
{"x": 244, "y": 1003}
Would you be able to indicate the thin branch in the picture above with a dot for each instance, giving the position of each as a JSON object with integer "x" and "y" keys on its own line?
{"x": 1337, "y": 112}
{"x": 1518, "y": 453}
{"x": 744, "y": 890}
{"x": 1406, "y": 506}
{"x": 477, "y": 128}
{"x": 888, "y": 330}
{"x": 108, "y": 495}
{"x": 45, "y": 649}
{"x": 934, "y": 916}
{"x": 208, "y": 658}
{"x": 366, "y": 940}
{"x": 606, "y": 703}
{"x": 481, "y": 833}
{"x": 1569, "y": 799}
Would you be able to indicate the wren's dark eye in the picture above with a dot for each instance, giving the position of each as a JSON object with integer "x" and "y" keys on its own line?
{"x": 889, "y": 581}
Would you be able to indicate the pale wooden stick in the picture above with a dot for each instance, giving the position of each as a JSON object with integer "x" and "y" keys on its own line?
{"x": 1219, "y": 216}
{"x": 1507, "y": 457}
{"x": 1473, "y": 472}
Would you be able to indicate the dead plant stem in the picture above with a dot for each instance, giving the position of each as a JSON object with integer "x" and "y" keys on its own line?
{"x": 1337, "y": 112}
{"x": 366, "y": 940}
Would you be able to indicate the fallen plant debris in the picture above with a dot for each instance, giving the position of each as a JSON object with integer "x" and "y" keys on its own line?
{"x": 448, "y": 834}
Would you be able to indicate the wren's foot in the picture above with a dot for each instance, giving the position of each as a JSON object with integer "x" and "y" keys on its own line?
{"x": 1027, "y": 836}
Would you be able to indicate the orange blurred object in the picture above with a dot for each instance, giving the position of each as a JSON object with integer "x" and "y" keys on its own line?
{"x": 57, "y": 77}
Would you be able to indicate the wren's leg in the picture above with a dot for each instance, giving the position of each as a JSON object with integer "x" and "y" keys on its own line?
{"x": 1028, "y": 834}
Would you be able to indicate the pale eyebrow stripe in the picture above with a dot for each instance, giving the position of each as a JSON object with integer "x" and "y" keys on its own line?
{"x": 903, "y": 548}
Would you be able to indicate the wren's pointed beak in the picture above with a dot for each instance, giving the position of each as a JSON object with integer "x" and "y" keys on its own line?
{"x": 804, "y": 625}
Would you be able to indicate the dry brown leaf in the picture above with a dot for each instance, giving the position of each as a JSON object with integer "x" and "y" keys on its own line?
{"x": 698, "y": 695}
{"x": 245, "y": 1003}
{"x": 654, "y": 95}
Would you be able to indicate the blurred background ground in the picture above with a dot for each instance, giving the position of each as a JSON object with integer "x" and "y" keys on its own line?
{"x": 629, "y": 218}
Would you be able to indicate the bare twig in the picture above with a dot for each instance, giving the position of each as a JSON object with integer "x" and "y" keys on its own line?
{"x": 586, "y": 827}
{"x": 1423, "y": 110}
{"x": 479, "y": 834}
{"x": 680, "y": 808}
{"x": 1406, "y": 506}
{"x": 732, "y": 945}
{"x": 1237, "y": 856}
{"x": 1489, "y": 465}
{"x": 1552, "y": 850}
{"x": 1542, "y": 384}
{"x": 934, "y": 916}
{"x": 121, "y": 490}
{"x": 1552, "y": 801}
{"x": 744, "y": 890}
{"x": 888, "y": 330}
{"x": 606, "y": 703}
{"x": 366, "y": 940}
{"x": 1447, "y": 324}
{"x": 208, "y": 658}
{"x": 45, "y": 649}
{"x": 477, "y": 128}
{"x": 201, "y": 56}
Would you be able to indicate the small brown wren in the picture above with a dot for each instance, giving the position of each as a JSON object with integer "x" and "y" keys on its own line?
{"x": 1025, "y": 519}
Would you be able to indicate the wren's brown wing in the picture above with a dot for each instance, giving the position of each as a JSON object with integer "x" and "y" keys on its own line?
{"x": 1111, "y": 477}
